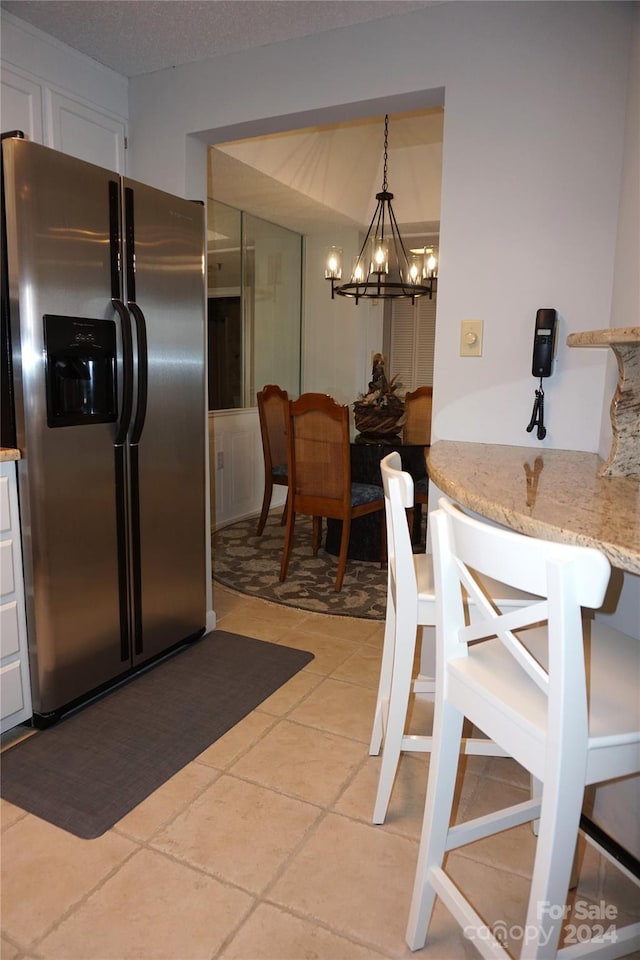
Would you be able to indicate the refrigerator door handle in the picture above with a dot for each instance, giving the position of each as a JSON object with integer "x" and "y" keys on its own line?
{"x": 134, "y": 440}
{"x": 143, "y": 379}
{"x": 121, "y": 477}
{"x": 127, "y": 372}
{"x": 115, "y": 245}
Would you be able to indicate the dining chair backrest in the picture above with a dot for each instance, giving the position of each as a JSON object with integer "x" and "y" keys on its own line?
{"x": 319, "y": 455}
{"x": 417, "y": 412}
{"x": 319, "y": 465}
{"x": 273, "y": 413}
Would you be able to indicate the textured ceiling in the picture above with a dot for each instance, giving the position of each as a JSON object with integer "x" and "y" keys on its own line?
{"x": 134, "y": 37}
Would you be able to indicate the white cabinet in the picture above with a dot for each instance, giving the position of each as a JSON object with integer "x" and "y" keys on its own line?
{"x": 61, "y": 98}
{"x": 21, "y": 104}
{"x": 60, "y": 121}
{"x": 15, "y": 691}
{"x": 84, "y": 132}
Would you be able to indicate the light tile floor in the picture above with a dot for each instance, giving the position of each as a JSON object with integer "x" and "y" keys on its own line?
{"x": 262, "y": 848}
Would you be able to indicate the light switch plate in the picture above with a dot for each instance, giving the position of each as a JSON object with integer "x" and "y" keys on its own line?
{"x": 471, "y": 338}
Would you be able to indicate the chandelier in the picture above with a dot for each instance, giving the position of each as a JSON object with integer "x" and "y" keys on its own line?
{"x": 382, "y": 269}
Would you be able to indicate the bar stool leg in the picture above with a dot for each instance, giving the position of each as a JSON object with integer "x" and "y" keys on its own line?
{"x": 443, "y": 769}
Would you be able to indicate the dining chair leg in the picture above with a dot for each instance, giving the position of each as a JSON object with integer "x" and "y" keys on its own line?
{"x": 266, "y": 503}
{"x": 344, "y": 548}
{"x": 288, "y": 540}
{"x": 283, "y": 518}
{"x": 383, "y": 543}
{"x": 316, "y": 535}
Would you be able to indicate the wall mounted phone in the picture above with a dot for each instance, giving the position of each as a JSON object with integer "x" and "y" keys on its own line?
{"x": 543, "y": 342}
{"x": 544, "y": 338}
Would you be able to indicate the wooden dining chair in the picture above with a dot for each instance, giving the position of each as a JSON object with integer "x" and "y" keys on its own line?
{"x": 273, "y": 411}
{"x": 319, "y": 467}
{"x": 417, "y": 412}
{"x": 417, "y": 430}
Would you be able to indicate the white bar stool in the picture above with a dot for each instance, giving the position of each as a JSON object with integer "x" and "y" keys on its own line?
{"x": 410, "y": 604}
{"x": 558, "y": 691}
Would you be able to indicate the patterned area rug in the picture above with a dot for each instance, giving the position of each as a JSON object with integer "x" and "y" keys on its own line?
{"x": 251, "y": 565}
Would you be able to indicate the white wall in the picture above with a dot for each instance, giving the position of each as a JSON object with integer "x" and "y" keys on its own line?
{"x": 339, "y": 336}
{"x": 533, "y": 146}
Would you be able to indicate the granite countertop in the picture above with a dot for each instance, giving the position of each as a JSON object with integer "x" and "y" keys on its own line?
{"x": 8, "y": 453}
{"x": 554, "y": 494}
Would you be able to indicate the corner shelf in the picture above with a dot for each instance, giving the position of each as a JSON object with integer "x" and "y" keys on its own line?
{"x": 624, "y": 458}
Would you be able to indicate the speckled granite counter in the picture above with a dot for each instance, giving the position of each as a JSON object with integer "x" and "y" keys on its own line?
{"x": 8, "y": 453}
{"x": 624, "y": 458}
{"x": 555, "y": 494}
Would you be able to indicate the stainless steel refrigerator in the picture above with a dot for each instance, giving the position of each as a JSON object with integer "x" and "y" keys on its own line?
{"x": 104, "y": 298}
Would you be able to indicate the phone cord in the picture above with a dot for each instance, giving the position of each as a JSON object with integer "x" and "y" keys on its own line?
{"x": 537, "y": 417}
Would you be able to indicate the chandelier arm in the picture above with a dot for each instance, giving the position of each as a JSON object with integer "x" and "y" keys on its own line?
{"x": 380, "y": 221}
{"x": 369, "y": 231}
{"x": 396, "y": 233}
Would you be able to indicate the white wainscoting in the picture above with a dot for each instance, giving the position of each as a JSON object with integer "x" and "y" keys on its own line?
{"x": 237, "y": 467}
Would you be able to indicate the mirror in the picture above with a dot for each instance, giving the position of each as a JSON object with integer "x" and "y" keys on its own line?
{"x": 254, "y": 296}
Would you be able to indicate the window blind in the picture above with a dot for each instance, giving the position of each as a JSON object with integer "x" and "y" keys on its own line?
{"x": 413, "y": 334}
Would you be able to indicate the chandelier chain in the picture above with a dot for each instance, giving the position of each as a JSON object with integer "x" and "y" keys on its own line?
{"x": 386, "y": 147}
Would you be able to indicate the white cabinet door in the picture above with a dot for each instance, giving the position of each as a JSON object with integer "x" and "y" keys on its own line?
{"x": 15, "y": 687}
{"x": 21, "y": 104}
{"x": 84, "y": 132}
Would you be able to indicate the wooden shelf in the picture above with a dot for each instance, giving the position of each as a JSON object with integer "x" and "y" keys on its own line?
{"x": 624, "y": 458}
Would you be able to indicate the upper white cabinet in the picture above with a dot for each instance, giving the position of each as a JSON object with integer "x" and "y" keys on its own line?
{"x": 84, "y": 132}
{"x": 60, "y": 98}
{"x": 21, "y": 104}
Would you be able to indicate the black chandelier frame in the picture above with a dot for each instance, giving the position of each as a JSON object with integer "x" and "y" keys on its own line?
{"x": 394, "y": 281}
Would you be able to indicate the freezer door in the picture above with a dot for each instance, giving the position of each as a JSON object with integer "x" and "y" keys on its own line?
{"x": 59, "y": 268}
{"x": 166, "y": 297}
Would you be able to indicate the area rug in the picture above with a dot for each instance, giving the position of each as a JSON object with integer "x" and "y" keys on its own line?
{"x": 95, "y": 766}
{"x": 251, "y": 565}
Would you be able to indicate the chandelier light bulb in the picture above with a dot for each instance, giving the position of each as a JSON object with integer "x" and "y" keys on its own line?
{"x": 379, "y": 256}
{"x": 333, "y": 263}
{"x": 358, "y": 273}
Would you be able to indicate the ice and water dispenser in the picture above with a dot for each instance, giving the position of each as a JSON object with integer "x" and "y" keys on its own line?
{"x": 80, "y": 370}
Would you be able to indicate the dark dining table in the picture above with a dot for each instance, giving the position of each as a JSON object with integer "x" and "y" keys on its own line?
{"x": 366, "y": 454}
